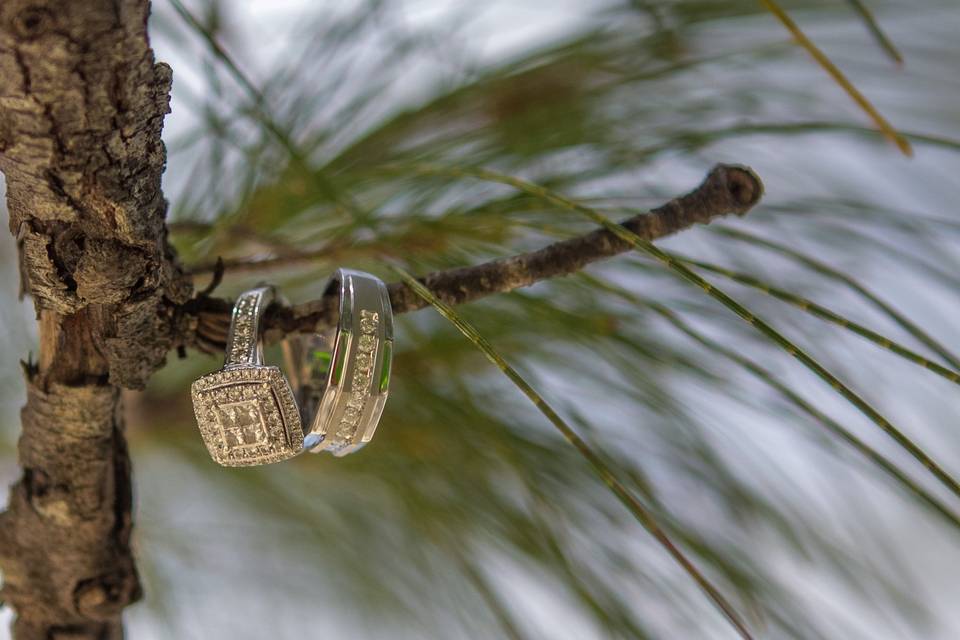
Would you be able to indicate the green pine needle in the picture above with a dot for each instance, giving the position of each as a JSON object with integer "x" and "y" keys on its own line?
{"x": 811, "y": 307}
{"x": 768, "y": 378}
{"x": 636, "y": 508}
{"x": 823, "y": 269}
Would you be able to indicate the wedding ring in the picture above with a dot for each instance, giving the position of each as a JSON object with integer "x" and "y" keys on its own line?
{"x": 350, "y": 397}
{"x": 246, "y": 411}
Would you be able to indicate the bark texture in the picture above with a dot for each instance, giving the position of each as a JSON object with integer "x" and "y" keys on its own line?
{"x": 81, "y": 109}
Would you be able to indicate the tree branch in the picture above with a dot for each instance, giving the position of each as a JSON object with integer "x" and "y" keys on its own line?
{"x": 81, "y": 109}
{"x": 727, "y": 189}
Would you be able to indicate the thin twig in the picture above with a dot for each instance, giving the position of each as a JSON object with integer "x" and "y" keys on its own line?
{"x": 727, "y": 189}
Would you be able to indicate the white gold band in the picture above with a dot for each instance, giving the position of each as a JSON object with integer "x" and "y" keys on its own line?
{"x": 352, "y": 395}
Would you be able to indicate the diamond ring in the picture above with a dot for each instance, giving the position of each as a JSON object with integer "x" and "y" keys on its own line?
{"x": 247, "y": 412}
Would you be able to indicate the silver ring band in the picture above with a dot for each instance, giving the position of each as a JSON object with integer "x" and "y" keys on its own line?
{"x": 246, "y": 412}
{"x": 351, "y": 398}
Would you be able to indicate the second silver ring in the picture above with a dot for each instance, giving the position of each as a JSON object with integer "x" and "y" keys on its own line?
{"x": 347, "y": 403}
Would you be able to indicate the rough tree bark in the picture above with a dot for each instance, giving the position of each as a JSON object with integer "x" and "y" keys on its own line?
{"x": 81, "y": 110}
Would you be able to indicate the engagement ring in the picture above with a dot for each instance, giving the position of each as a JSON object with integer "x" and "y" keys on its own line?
{"x": 246, "y": 412}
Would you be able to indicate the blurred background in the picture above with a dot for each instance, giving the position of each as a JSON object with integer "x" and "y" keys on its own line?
{"x": 468, "y": 516}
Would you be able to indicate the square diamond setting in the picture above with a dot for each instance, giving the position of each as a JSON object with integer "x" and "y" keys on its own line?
{"x": 242, "y": 424}
{"x": 247, "y": 416}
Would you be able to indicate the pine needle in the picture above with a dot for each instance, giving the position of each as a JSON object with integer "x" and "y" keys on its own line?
{"x": 768, "y": 378}
{"x": 636, "y": 508}
{"x": 298, "y": 156}
{"x": 821, "y": 418}
{"x": 874, "y": 27}
{"x": 815, "y": 309}
{"x": 826, "y": 270}
{"x": 885, "y": 127}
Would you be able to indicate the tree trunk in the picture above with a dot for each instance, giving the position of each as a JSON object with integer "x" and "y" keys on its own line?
{"x": 81, "y": 110}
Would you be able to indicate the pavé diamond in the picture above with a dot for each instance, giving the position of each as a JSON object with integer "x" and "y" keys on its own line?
{"x": 247, "y": 416}
{"x": 242, "y": 423}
